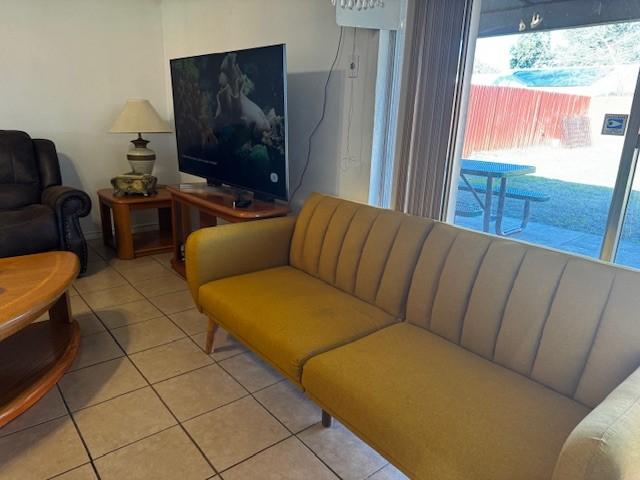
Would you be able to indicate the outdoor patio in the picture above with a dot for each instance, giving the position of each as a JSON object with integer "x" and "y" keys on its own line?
{"x": 587, "y": 244}
{"x": 579, "y": 184}
{"x": 573, "y": 220}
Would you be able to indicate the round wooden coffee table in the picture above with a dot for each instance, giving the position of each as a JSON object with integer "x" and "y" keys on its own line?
{"x": 33, "y": 356}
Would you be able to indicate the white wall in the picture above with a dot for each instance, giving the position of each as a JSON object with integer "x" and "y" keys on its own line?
{"x": 309, "y": 29}
{"x": 66, "y": 69}
{"x": 68, "y": 66}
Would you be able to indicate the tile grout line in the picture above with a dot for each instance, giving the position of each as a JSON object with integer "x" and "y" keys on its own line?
{"x": 37, "y": 424}
{"x": 131, "y": 284}
{"x": 292, "y": 434}
{"x": 141, "y": 388}
{"x": 185, "y": 335}
{"x": 154, "y": 346}
{"x": 84, "y": 443}
{"x": 58, "y": 475}
{"x": 180, "y": 423}
{"x": 128, "y": 355}
{"x": 133, "y": 322}
{"x": 145, "y": 437}
{"x": 249, "y": 393}
{"x": 186, "y": 432}
{"x": 256, "y": 453}
{"x": 166, "y": 315}
{"x": 109, "y": 399}
{"x": 237, "y": 380}
{"x": 215, "y": 362}
{"x": 226, "y": 404}
{"x": 313, "y": 452}
{"x": 171, "y": 413}
{"x": 378, "y": 471}
{"x": 79, "y": 369}
{"x": 157, "y": 394}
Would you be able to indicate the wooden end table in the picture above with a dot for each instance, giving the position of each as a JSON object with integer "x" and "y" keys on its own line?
{"x": 127, "y": 243}
{"x": 33, "y": 356}
{"x": 211, "y": 203}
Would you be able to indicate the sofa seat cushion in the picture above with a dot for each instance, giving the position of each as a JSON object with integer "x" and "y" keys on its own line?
{"x": 288, "y": 316}
{"x": 30, "y": 229}
{"x": 438, "y": 411}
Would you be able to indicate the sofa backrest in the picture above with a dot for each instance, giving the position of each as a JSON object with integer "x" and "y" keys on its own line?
{"x": 569, "y": 323}
{"x": 366, "y": 251}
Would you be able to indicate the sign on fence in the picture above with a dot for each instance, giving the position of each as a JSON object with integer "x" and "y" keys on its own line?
{"x": 615, "y": 124}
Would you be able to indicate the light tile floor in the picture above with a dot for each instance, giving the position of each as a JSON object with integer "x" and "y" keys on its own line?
{"x": 143, "y": 401}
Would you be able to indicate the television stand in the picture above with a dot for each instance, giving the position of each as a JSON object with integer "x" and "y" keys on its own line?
{"x": 211, "y": 203}
{"x": 243, "y": 198}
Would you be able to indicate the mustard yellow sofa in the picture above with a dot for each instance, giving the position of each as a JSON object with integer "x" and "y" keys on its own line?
{"x": 457, "y": 355}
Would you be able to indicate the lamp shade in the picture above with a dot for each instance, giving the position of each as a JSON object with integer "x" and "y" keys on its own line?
{"x": 139, "y": 116}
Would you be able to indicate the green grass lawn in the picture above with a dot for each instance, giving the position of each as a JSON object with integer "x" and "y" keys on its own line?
{"x": 573, "y": 206}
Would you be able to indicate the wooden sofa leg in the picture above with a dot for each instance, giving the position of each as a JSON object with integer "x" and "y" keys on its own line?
{"x": 211, "y": 334}
{"x": 326, "y": 419}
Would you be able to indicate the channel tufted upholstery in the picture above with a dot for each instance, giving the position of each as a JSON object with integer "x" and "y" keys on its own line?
{"x": 337, "y": 286}
{"x": 456, "y": 354}
{"x": 543, "y": 314}
{"x": 364, "y": 251}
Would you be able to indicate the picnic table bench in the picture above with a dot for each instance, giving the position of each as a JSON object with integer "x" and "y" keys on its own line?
{"x": 483, "y": 193}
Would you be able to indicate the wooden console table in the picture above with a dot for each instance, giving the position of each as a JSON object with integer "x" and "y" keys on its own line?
{"x": 33, "y": 356}
{"x": 127, "y": 243}
{"x": 211, "y": 204}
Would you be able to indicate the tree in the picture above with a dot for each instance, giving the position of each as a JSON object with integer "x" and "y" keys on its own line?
{"x": 612, "y": 44}
{"x": 532, "y": 50}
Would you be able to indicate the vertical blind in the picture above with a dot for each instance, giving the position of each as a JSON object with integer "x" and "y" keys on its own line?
{"x": 436, "y": 58}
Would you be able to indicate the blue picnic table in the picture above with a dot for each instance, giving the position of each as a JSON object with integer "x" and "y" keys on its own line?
{"x": 484, "y": 193}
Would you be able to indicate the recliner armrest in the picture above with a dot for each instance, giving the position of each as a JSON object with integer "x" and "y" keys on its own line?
{"x": 233, "y": 249}
{"x": 606, "y": 443}
{"x": 66, "y": 201}
{"x": 69, "y": 204}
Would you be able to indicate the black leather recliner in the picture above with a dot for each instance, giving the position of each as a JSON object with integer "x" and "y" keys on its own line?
{"x": 37, "y": 213}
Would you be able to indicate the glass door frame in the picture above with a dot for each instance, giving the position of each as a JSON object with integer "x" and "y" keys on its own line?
{"x": 626, "y": 167}
{"x": 624, "y": 181}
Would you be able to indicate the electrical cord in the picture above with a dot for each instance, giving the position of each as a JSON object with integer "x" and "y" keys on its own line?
{"x": 320, "y": 120}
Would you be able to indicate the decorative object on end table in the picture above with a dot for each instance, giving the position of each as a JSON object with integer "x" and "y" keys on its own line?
{"x": 139, "y": 116}
{"x": 134, "y": 184}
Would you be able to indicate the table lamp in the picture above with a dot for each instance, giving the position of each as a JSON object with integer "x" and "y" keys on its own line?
{"x": 139, "y": 116}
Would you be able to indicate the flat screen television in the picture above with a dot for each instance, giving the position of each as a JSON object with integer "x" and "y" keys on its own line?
{"x": 230, "y": 114}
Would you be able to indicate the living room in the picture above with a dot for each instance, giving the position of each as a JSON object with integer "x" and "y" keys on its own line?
{"x": 300, "y": 239}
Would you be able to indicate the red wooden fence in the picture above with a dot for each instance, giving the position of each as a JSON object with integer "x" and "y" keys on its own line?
{"x": 505, "y": 117}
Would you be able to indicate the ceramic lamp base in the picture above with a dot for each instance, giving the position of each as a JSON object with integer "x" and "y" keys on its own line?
{"x": 140, "y": 157}
{"x": 141, "y": 167}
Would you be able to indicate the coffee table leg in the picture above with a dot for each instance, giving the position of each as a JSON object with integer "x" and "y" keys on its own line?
{"x": 61, "y": 310}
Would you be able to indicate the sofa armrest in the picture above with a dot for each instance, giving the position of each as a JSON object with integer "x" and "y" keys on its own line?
{"x": 234, "y": 249}
{"x": 69, "y": 204}
{"x": 606, "y": 443}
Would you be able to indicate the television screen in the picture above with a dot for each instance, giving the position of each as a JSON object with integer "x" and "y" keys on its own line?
{"x": 231, "y": 119}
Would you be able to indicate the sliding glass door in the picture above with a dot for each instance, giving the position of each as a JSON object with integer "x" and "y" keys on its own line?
{"x": 553, "y": 115}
